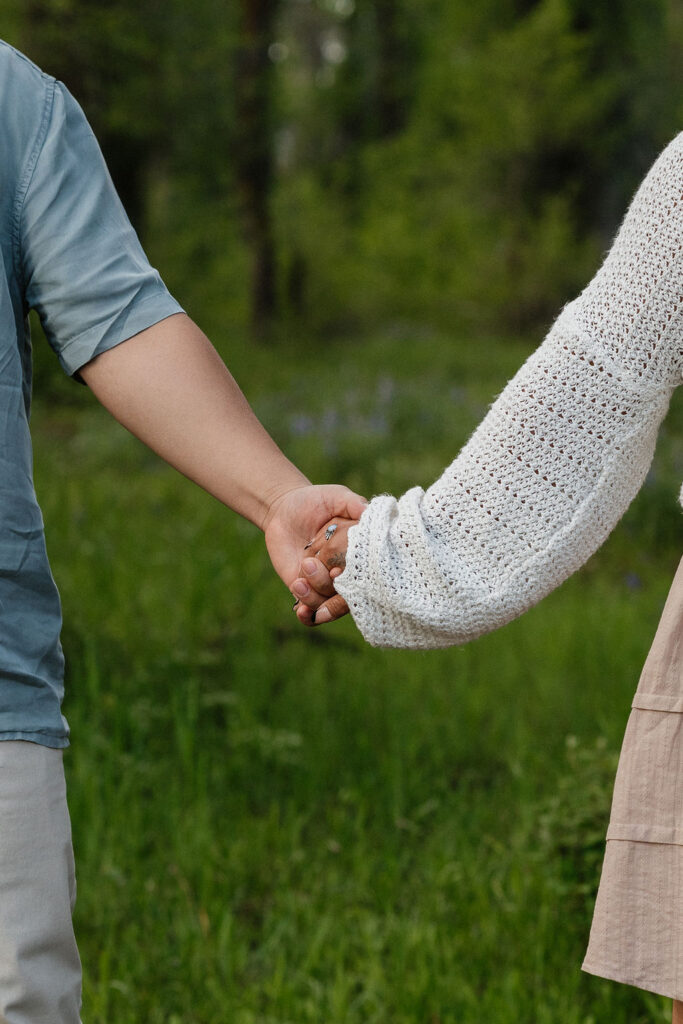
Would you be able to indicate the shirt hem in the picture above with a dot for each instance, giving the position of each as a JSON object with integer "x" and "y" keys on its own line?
{"x": 136, "y": 317}
{"x": 43, "y": 739}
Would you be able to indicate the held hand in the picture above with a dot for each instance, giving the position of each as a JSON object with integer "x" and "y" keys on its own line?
{"x": 330, "y": 544}
{"x": 302, "y": 513}
{"x": 315, "y": 587}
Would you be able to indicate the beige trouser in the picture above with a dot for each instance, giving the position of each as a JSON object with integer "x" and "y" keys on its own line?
{"x": 40, "y": 971}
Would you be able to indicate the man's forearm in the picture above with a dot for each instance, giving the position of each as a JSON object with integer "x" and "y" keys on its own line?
{"x": 170, "y": 388}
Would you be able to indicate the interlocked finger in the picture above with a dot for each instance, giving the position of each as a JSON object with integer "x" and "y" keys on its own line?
{"x": 314, "y": 585}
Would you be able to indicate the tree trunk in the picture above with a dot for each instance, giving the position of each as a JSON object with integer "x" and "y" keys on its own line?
{"x": 391, "y": 70}
{"x": 254, "y": 159}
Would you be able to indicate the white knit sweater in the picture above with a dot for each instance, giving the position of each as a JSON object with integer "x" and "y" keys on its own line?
{"x": 554, "y": 464}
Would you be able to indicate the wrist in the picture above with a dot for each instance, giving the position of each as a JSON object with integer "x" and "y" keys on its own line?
{"x": 274, "y": 499}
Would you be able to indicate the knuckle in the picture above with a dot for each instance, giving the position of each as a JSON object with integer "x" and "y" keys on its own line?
{"x": 337, "y": 606}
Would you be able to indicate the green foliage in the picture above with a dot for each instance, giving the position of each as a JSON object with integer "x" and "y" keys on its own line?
{"x": 276, "y": 826}
{"x": 488, "y": 208}
{"x": 440, "y": 164}
{"x": 285, "y": 826}
{"x": 571, "y": 821}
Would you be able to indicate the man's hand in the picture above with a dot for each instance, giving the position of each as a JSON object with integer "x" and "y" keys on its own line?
{"x": 304, "y": 513}
{"x": 326, "y": 559}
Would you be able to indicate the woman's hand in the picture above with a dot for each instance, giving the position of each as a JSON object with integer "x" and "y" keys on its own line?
{"x": 326, "y": 559}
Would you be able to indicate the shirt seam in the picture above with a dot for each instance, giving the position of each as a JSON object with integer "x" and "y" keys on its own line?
{"x": 642, "y": 385}
{"x": 27, "y": 177}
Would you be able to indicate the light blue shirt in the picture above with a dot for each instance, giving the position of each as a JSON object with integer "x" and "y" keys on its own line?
{"x": 68, "y": 251}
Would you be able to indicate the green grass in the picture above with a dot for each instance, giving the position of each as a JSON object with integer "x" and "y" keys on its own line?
{"x": 274, "y": 826}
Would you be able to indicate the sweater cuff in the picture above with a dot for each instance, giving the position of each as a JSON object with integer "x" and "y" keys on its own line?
{"x": 353, "y": 583}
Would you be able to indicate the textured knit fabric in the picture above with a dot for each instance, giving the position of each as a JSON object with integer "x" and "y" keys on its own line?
{"x": 555, "y": 462}
{"x": 637, "y": 931}
{"x": 68, "y": 251}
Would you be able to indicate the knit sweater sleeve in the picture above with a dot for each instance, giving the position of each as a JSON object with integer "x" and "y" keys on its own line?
{"x": 555, "y": 462}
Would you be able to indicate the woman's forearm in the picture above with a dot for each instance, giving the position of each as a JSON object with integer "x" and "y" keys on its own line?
{"x": 554, "y": 464}
{"x": 524, "y": 505}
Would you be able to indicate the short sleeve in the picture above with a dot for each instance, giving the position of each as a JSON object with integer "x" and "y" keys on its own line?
{"x": 84, "y": 270}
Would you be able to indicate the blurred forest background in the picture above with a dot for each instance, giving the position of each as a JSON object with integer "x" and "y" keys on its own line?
{"x": 375, "y": 208}
{"x": 327, "y": 165}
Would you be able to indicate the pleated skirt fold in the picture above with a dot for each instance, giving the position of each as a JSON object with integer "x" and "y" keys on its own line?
{"x": 637, "y": 931}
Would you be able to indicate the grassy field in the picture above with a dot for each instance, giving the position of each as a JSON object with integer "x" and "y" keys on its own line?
{"x": 274, "y": 826}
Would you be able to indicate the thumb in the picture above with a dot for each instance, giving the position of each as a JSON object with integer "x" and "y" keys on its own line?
{"x": 332, "y": 609}
{"x": 341, "y": 501}
{"x": 356, "y": 506}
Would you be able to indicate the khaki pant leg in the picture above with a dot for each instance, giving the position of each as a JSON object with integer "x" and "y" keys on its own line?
{"x": 40, "y": 970}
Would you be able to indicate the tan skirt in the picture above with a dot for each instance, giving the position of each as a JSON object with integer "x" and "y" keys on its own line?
{"x": 637, "y": 931}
